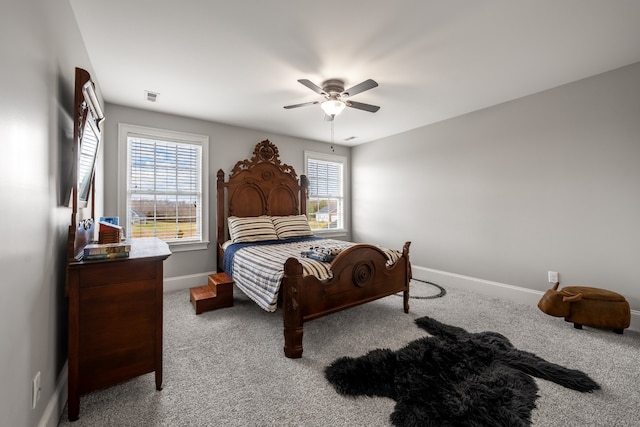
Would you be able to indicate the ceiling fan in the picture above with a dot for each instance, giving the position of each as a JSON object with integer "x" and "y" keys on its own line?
{"x": 336, "y": 98}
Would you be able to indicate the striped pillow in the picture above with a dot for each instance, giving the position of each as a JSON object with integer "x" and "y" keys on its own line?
{"x": 251, "y": 229}
{"x": 291, "y": 226}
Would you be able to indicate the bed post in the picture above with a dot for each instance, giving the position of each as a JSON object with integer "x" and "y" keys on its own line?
{"x": 405, "y": 255}
{"x": 292, "y": 309}
{"x": 220, "y": 220}
{"x": 304, "y": 190}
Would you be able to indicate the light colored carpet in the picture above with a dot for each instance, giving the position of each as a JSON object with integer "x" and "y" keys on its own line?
{"x": 227, "y": 368}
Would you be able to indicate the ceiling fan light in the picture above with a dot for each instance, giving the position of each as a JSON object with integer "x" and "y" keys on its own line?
{"x": 332, "y": 107}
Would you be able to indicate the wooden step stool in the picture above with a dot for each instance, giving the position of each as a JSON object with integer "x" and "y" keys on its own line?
{"x": 217, "y": 294}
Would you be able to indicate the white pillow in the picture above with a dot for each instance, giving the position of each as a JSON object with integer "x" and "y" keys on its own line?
{"x": 291, "y": 226}
{"x": 251, "y": 229}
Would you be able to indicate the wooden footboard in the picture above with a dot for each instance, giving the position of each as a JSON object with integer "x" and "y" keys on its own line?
{"x": 360, "y": 275}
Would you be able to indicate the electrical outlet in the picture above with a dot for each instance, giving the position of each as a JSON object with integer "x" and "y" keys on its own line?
{"x": 35, "y": 390}
{"x": 553, "y": 277}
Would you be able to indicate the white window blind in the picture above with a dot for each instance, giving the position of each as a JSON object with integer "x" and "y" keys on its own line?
{"x": 164, "y": 189}
{"x": 165, "y": 195}
{"x": 326, "y": 192}
{"x": 325, "y": 178}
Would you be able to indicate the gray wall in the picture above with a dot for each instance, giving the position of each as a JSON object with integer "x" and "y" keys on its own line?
{"x": 547, "y": 182}
{"x": 227, "y": 145}
{"x": 41, "y": 46}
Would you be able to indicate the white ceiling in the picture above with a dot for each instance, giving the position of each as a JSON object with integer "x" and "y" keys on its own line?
{"x": 238, "y": 62}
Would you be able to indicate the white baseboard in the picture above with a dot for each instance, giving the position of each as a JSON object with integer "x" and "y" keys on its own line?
{"x": 186, "y": 282}
{"x": 55, "y": 407}
{"x": 493, "y": 289}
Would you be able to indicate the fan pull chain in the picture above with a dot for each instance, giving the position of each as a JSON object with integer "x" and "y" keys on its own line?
{"x": 332, "y": 149}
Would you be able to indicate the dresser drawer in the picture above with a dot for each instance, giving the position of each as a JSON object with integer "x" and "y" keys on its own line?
{"x": 113, "y": 272}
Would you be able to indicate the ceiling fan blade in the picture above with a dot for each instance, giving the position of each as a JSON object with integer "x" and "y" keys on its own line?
{"x": 362, "y": 106}
{"x": 314, "y": 87}
{"x": 361, "y": 87}
{"x": 304, "y": 104}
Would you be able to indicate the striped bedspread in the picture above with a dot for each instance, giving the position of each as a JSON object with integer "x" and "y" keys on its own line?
{"x": 258, "y": 269}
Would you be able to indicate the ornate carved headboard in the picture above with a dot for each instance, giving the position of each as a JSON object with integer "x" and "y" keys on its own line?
{"x": 258, "y": 186}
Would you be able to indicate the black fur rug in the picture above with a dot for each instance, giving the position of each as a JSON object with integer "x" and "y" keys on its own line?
{"x": 454, "y": 378}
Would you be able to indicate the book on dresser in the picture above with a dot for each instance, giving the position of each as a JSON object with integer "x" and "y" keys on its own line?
{"x": 95, "y": 251}
{"x": 112, "y": 255}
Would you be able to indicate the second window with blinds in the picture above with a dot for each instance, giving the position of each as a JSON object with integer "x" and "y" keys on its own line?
{"x": 326, "y": 207}
{"x": 163, "y": 185}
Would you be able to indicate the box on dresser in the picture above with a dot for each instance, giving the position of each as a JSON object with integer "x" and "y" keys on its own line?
{"x": 109, "y": 233}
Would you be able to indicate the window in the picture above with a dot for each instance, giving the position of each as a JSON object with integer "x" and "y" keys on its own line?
{"x": 326, "y": 205}
{"x": 163, "y": 187}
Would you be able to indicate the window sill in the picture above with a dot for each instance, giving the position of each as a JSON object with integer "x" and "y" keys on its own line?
{"x": 330, "y": 234}
{"x": 188, "y": 246}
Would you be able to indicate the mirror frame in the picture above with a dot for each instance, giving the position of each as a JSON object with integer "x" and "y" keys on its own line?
{"x": 88, "y": 116}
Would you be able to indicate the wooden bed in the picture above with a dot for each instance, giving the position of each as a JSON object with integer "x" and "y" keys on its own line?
{"x": 263, "y": 185}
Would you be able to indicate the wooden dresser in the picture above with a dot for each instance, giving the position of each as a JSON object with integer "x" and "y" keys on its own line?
{"x": 115, "y": 319}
